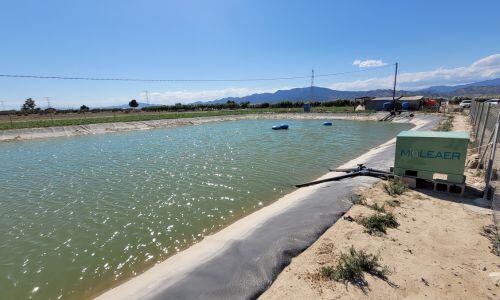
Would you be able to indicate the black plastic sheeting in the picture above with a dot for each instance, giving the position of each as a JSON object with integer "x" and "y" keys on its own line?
{"x": 248, "y": 267}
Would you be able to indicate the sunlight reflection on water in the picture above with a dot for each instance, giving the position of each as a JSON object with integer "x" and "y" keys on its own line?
{"x": 81, "y": 213}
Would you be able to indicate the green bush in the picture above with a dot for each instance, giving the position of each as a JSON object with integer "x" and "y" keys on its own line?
{"x": 352, "y": 266}
{"x": 378, "y": 223}
{"x": 446, "y": 125}
{"x": 358, "y": 199}
{"x": 395, "y": 187}
{"x": 378, "y": 208}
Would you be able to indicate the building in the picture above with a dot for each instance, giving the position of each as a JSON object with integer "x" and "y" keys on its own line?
{"x": 415, "y": 102}
{"x": 378, "y": 103}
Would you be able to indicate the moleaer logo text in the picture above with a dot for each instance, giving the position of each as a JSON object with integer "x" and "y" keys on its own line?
{"x": 430, "y": 154}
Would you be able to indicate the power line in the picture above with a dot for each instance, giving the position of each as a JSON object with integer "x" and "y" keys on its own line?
{"x": 185, "y": 80}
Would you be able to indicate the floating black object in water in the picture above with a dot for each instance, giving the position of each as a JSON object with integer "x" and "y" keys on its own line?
{"x": 279, "y": 127}
{"x": 327, "y": 123}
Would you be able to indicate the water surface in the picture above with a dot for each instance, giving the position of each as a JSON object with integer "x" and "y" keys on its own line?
{"x": 81, "y": 214}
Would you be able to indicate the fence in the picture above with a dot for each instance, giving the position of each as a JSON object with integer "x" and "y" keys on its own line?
{"x": 485, "y": 120}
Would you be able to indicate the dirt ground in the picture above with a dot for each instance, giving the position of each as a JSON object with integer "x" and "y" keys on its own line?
{"x": 439, "y": 250}
{"x": 474, "y": 177}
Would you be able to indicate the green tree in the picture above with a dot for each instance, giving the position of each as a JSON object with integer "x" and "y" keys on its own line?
{"x": 84, "y": 108}
{"x": 231, "y": 104}
{"x": 29, "y": 105}
{"x": 133, "y": 103}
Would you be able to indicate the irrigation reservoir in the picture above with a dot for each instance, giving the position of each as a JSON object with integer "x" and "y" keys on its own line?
{"x": 82, "y": 214}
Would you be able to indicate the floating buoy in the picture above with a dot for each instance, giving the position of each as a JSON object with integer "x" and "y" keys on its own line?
{"x": 279, "y": 127}
{"x": 327, "y": 123}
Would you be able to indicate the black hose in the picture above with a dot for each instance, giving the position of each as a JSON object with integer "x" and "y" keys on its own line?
{"x": 328, "y": 179}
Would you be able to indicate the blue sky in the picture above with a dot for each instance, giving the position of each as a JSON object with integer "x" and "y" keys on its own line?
{"x": 435, "y": 42}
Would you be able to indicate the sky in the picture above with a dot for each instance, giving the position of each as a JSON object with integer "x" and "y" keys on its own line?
{"x": 434, "y": 42}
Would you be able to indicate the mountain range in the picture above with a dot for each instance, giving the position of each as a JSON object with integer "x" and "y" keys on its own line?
{"x": 482, "y": 88}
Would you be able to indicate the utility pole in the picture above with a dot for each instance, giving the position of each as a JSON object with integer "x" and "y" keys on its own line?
{"x": 147, "y": 97}
{"x": 312, "y": 85}
{"x": 49, "y": 108}
{"x": 394, "y": 88}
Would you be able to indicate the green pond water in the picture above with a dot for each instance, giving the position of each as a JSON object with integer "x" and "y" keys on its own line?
{"x": 81, "y": 214}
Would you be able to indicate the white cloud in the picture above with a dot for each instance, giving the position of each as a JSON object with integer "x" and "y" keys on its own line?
{"x": 482, "y": 69}
{"x": 368, "y": 63}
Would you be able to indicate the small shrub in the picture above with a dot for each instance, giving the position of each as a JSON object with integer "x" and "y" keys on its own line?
{"x": 378, "y": 208}
{"x": 378, "y": 223}
{"x": 447, "y": 125}
{"x": 395, "y": 187}
{"x": 358, "y": 199}
{"x": 327, "y": 272}
{"x": 352, "y": 266}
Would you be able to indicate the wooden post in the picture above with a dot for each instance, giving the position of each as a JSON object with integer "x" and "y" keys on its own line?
{"x": 473, "y": 113}
{"x": 484, "y": 127}
{"x": 479, "y": 122}
{"x": 476, "y": 113}
{"x": 10, "y": 118}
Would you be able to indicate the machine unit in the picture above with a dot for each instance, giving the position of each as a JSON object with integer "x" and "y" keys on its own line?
{"x": 431, "y": 155}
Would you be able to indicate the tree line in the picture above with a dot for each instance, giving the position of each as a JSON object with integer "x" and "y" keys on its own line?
{"x": 30, "y": 107}
{"x": 247, "y": 105}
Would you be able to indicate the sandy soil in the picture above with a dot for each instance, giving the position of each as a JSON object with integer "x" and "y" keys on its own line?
{"x": 437, "y": 252}
{"x": 101, "y": 128}
{"x": 461, "y": 122}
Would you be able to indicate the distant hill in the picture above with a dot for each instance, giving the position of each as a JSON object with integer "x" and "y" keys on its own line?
{"x": 300, "y": 94}
{"x": 444, "y": 89}
{"x": 476, "y": 91}
{"x": 482, "y": 88}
